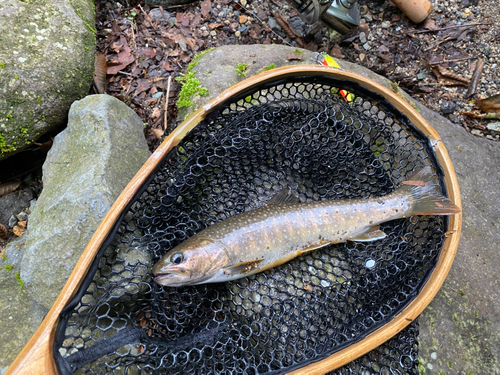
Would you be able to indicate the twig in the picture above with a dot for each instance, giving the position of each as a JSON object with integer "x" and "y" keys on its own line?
{"x": 166, "y": 103}
{"x": 471, "y": 90}
{"x": 453, "y": 27}
{"x": 133, "y": 35}
{"x": 453, "y": 60}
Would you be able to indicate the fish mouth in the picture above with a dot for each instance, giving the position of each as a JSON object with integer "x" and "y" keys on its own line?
{"x": 163, "y": 279}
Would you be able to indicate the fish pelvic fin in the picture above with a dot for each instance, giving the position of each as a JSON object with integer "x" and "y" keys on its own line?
{"x": 242, "y": 267}
{"x": 424, "y": 192}
{"x": 372, "y": 234}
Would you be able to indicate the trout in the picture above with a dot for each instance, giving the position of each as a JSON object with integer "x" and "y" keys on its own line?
{"x": 284, "y": 228}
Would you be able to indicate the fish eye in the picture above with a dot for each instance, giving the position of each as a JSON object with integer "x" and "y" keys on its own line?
{"x": 177, "y": 258}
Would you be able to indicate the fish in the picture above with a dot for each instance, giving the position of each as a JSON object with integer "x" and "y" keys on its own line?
{"x": 284, "y": 228}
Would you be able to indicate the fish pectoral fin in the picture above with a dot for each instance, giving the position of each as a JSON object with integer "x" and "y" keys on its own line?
{"x": 372, "y": 234}
{"x": 313, "y": 247}
{"x": 242, "y": 267}
{"x": 285, "y": 195}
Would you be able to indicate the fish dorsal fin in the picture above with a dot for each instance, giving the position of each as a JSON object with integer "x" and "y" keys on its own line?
{"x": 285, "y": 195}
{"x": 372, "y": 234}
{"x": 242, "y": 267}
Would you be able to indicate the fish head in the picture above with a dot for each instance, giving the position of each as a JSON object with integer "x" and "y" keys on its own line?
{"x": 192, "y": 262}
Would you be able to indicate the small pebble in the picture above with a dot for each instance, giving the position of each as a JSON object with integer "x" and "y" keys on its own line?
{"x": 477, "y": 132}
{"x": 384, "y": 25}
{"x": 22, "y": 216}
{"x": 448, "y": 107}
{"x": 213, "y": 33}
{"x": 243, "y": 3}
{"x": 243, "y": 19}
{"x": 368, "y": 17}
{"x": 367, "y": 46}
{"x": 237, "y": 34}
{"x": 12, "y": 221}
{"x": 494, "y": 127}
{"x": 362, "y": 37}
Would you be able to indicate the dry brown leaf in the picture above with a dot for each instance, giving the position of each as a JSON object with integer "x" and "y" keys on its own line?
{"x": 22, "y": 224}
{"x": 3, "y": 231}
{"x": 489, "y": 105}
{"x": 156, "y": 113}
{"x": 100, "y": 73}
{"x": 18, "y": 231}
{"x": 430, "y": 24}
{"x": 123, "y": 59}
{"x": 8, "y": 187}
{"x": 447, "y": 77}
{"x": 295, "y": 57}
{"x": 336, "y": 52}
{"x": 158, "y": 133}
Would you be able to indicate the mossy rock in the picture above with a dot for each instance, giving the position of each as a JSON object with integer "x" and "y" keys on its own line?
{"x": 46, "y": 63}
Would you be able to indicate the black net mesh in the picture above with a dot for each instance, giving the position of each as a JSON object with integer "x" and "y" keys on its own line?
{"x": 300, "y": 133}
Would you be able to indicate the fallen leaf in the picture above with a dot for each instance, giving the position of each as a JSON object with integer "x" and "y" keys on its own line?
{"x": 447, "y": 77}
{"x": 8, "y": 187}
{"x": 206, "y": 6}
{"x": 3, "y": 231}
{"x": 22, "y": 224}
{"x": 383, "y": 49}
{"x": 158, "y": 133}
{"x": 295, "y": 57}
{"x": 123, "y": 59}
{"x": 430, "y": 24}
{"x": 489, "y": 105}
{"x": 182, "y": 42}
{"x": 308, "y": 287}
{"x": 156, "y": 113}
{"x": 336, "y": 52}
{"x": 18, "y": 231}
{"x": 100, "y": 73}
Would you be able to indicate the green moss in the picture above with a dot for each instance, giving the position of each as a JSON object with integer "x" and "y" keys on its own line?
{"x": 86, "y": 24}
{"x": 241, "y": 69}
{"x": 7, "y": 267}
{"x": 266, "y": 68}
{"x": 190, "y": 85}
{"x": 2, "y": 65}
{"x": 297, "y": 51}
{"x": 9, "y": 116}
{"x": 4, "y": 148}
{"x": 19, "y": 281}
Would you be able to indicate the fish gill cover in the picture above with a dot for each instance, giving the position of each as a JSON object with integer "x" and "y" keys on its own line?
{"x": 297, "y": 133}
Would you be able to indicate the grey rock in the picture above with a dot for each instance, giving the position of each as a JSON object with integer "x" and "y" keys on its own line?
{"x": 461, "y": 325}
{"x": 13, "y": 203}
{"x": 494, "y": 127}
{"x": 298, "y": 25}
{"x": 368, "y": 17}
{"x": 384, "y": 25}
{"x": 422, "y": 75}
{"x": 20, "y": 316}
{"x": 448, "y": 107}
{"x": 46, "y": 62}
{"x": 22, "y": 216}
{"x": 12, "y": 221}
{"x": 85, "y": 171}
{"x": 273, "y": 24}
{"x": 362, "y": 37}
{"x": 156, "y": 15}
{"x": 367, "y": 46}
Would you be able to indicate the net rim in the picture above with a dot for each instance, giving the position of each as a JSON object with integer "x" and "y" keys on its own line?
{"x": 39, "y": 352}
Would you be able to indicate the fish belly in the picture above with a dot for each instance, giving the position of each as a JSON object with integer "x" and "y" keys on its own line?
{"x": 279, "y": 233}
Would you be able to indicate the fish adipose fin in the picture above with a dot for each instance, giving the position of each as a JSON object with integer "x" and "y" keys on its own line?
{"x": 285, "y": 195}
{"x": 372, "y": 234}
{"x": 424, "y": 191}
{"x": 242, "y": 267}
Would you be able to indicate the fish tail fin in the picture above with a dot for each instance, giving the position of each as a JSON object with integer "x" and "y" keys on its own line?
{"x": 424, "y": 192}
